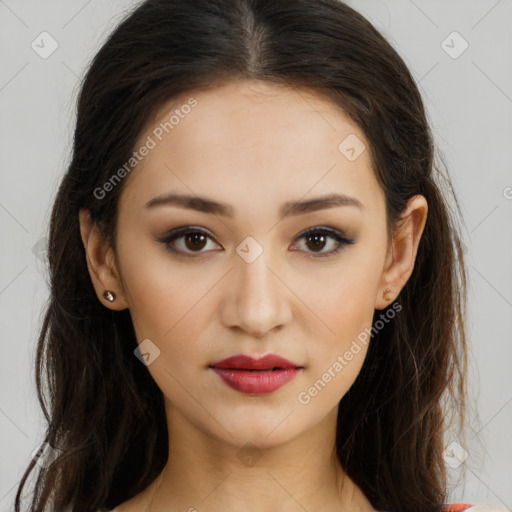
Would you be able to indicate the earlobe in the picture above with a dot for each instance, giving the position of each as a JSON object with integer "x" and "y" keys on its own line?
{"x": 402, "y": 254}
{"x": 101, "y": 264}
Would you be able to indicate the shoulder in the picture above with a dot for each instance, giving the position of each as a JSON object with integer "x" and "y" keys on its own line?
{"x": 466, "y": 507}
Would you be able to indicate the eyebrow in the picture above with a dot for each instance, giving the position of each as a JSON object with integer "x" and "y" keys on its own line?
{"x": 289, "y": 208}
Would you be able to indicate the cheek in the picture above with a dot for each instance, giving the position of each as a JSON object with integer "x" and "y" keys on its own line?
{"x": 342, "y": 297}
{"x": 162, "y": 296}
{"x": 168, "y": 308}
{"x": 339, "y": 332}
{"x": 172, "y": 306}
{"x": 335, "y": 359}
{"x": 175, "y": 320}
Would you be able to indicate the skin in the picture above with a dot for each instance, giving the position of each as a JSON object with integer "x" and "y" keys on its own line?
{"x": 253, "y": 146}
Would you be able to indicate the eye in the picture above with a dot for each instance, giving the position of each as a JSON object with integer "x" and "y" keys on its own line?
{"x": 191, "y": 239}
{"x": 317, "y": 239}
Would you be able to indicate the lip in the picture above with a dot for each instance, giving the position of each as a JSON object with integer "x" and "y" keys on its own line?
{"x": 256, "y": 376}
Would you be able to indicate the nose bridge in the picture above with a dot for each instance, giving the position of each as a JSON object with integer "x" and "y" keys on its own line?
{"x": 258, "y": 297}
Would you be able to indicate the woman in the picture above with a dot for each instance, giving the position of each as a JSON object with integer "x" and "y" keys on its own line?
{"x": 257, "y": 287}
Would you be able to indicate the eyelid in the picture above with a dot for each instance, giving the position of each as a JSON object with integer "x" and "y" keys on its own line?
{"x": 175, "y": 234}
{"x": 336, "y": 234}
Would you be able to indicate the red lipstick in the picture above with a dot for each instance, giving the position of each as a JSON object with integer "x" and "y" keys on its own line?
{"x": 256, "y": 376}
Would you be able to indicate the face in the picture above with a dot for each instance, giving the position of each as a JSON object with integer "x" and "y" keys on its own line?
{"x": 255, "y": 275}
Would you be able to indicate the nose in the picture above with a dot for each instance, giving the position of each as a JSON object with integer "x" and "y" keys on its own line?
{"x": 257, "y": 300}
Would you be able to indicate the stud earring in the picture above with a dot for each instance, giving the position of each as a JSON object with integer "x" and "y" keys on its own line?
{"x": 386, "y": 292}
{"x": 110, "y": 296}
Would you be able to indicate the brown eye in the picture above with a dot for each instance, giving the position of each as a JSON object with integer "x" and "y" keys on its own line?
{"x": 191, "y": 242}
{"x": 195, "y": 241}
{"x": 186, "y": 241}
{"x": 316, "y": 241}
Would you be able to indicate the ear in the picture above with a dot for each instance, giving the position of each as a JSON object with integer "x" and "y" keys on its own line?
{"x": 402, "y": 252}
{"x": 101, "y": 262}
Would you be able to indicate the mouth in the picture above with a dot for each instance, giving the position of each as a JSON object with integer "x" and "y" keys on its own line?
{"x": 269, "y": 362}
{"x": 255, "y": 370}
{"x": 256, "y": 376}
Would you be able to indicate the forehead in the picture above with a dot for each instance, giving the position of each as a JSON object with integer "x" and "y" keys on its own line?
{"x": 252, "y": 139}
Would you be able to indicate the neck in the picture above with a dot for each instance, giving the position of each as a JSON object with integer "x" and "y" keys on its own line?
{"x": 205, "y": 473}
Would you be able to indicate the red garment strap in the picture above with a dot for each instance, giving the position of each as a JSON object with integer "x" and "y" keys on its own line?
{"x": 457, "y": 507}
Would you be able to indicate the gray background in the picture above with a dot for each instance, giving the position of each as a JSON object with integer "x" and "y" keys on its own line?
{"x": 469, "y": 102}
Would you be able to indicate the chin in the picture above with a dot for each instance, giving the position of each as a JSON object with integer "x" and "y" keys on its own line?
{"x": 262, "y": 432}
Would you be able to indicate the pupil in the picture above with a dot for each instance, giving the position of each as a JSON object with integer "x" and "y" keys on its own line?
{"x": 317, "y": 238}
{"x": 197, "y": 240}
{"x": 195, "y": 237}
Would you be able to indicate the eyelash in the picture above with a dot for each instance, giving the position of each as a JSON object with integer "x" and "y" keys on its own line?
{"x": 187, "y": 230}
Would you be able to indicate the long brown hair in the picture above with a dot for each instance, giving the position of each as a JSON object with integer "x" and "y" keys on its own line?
{"x": 105, "y": 413}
